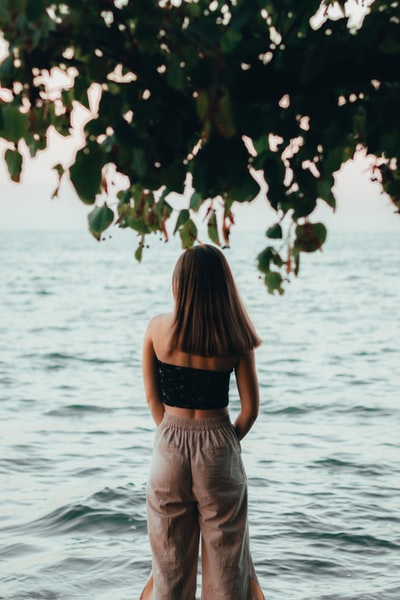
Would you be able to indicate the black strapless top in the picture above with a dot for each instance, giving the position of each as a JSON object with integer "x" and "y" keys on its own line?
{"x": 187, "y": 387}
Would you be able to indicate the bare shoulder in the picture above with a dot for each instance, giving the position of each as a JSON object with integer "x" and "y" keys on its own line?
{"x": 158, "y": 333}
{"x": 246, "y": 359}
{"x": 158, "y": 323}
{"x": 246, "y": 364}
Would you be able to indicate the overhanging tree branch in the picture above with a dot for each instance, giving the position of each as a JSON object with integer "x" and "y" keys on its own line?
{"x": 203, "y": 89}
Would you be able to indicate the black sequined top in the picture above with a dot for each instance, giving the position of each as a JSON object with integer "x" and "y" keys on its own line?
{"x": 188, "y": 387}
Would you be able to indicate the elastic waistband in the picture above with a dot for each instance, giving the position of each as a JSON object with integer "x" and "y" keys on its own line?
{"x": 195, "y": 424}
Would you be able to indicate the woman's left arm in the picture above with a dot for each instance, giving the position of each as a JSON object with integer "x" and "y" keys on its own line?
{"x": 247, "y": 383}
{"x": 150, "y": 376}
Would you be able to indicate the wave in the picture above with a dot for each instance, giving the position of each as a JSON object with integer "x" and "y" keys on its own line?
{"x": 80, "y": 517}
{"x": 369, "y": 542}
{"x": 361, "y": 409}
{"x": 304, "y": 409}
{"x": 47, "y": 328}
{"x": 17, "y": 549}
{"x": 296, "y": 410}
{"x": 374, "y": 469}
{"x": 107, "y": 512}
{"x": 64, "y": 357}
{"x": 74, "y": 409}
{"x": 24, "y": 464}
{"x": 74, "y": 518}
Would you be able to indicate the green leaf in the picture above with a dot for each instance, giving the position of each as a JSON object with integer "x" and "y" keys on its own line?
{"x": 139, "y": 161}
{"x": 67, "y": 97}
{"x": 137, "y": 224}
{"x": 264, "y": 259}
{"x": 14, "y": 163}
{"x": 324, "y": 190}
{"x": 163, "y": 208}
{"x": 81, "y": 86}
{"x": 224, "y": 119}
{"x": 99, "y": 219}
{"x": 139, "y": 250}
{"x": 4, "y": 13}
{"x": 202, "y": 104}
{"x": 183, "y": 217}
{"x": 175, "y": 74}
{"x": 6, "y": 65}
{"x": 390, "y": 44}
{"x": 85, "y": 173}
{"x": 196, "y": 201}
{"x": 310, "y": 237}
{"x": 303, "y": 203}
{"x": 59, "y": 168}
{"x": 267, "y": 256}
{"x": 274, "y": 173}
{"x": 212, "y": 228}
{"x": 98, "y": 68}
{"x": 188, "y": 233}
{"x": 334, "y": 158}
{"x": 230, "y": 39}
{"x": 60, "y": 172}
{"x": 15, "y": 123}
{"x": 243, "y": 14}
{"x": 261, "y": 144}
{"x": 247, "y": 190}
{"x": 220, "y": 168}
{"x": 273, "y": 281}
{"x": 206, "y": 31}
{"x": 275, "y": 232}
{"x": 34, "y": 9}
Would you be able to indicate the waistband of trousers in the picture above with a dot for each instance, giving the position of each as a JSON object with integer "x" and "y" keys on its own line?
{"x": 195, "y": 424}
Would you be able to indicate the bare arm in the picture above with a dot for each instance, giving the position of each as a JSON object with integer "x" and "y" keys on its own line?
{"x": 247, "y": 383}
{"x": 150, "y": 378}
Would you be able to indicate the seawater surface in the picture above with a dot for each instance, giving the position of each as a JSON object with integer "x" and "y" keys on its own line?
{"x": 323, "y": 459}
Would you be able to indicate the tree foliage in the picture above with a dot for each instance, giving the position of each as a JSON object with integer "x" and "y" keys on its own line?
{"x": 213, "y": 96}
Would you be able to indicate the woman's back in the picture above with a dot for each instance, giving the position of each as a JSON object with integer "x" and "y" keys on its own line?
{"x": 192, "y": 386}
{"x": 170, "y": 355}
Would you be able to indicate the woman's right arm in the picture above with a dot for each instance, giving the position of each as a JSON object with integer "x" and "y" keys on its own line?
{"x": 150, "y": 376}
{"x": 247, "y": 383}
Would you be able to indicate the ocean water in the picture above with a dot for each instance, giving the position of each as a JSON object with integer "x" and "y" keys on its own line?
{"x": 322, "y": 460}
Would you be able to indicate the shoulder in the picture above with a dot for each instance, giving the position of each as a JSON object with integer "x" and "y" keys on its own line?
{"x": 246, "y": 361}
{"x": 157, "y": 323}
{"x": 157, "y": 335}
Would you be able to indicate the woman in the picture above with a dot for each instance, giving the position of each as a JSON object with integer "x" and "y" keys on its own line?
{"x": 197, "y": 483}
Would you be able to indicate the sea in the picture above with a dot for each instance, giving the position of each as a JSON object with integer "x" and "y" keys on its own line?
{"x": 322, "y": 460}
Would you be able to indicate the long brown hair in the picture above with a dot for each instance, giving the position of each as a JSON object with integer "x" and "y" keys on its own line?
{"x": 209, "y": 318}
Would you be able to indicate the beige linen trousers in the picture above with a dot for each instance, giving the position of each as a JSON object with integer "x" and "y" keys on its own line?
{"x": 198, "y": 488}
